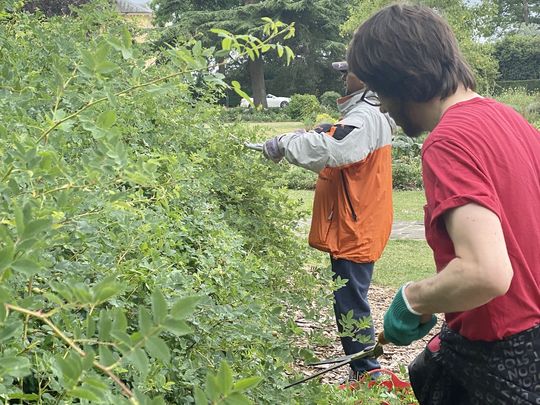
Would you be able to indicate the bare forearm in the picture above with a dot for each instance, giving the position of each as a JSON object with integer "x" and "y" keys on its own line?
{"x": 459, "y": 287}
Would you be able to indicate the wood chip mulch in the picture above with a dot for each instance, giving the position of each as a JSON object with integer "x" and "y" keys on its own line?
{"x": 393, "y": 357}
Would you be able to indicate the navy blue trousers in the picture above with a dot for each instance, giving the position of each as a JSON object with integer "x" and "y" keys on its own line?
{"x": 353, "y": 296}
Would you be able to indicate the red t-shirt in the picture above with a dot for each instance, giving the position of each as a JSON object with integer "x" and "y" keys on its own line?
{"x": 483, "y": 152}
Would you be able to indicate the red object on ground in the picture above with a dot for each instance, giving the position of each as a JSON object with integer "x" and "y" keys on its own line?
{"x": 394, "y": 383}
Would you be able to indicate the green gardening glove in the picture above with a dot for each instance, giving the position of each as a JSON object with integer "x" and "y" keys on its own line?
{"x": 402, "y": 324}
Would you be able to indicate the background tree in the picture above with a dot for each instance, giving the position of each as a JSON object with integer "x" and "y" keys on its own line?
{"x": 511, "y": 13}
{"x": 52, "y": 7}
{"x": 317, "y": 41}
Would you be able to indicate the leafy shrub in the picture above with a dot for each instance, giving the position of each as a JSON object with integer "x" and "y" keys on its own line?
{"x": 325, "y": 118}
{"x": 135, "y": 232}
{"x": 234, "y": 114}
{"x": 519, "y": 57}
{"x": 406, "y": 163}
{"x": 297, "y": 178}
{"x": 303, "y": 107}
{"x": 328, "y": 100}
{"x": 525, "y": 103}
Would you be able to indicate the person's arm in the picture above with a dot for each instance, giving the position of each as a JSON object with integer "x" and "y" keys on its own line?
{"x": 480, "y": 271}
{"x": 315, "y": 151}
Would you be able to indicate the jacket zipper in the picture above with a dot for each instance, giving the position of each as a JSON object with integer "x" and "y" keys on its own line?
{"x": 347, "y": 195}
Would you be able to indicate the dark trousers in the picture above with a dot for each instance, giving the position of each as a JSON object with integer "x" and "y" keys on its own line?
{"x": 353, "y": 296}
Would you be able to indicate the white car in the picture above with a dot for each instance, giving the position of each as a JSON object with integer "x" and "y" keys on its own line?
{"x": 271, "y": 100}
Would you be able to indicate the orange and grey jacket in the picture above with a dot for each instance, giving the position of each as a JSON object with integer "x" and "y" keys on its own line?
{"x": 352, "y": 208}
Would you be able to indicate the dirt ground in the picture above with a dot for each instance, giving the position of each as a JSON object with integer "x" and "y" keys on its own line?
{"x": 394, "y": 356}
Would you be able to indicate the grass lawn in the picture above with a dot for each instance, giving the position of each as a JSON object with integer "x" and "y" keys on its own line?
{"x": 408, "y": 205}
{"x": 402, "y": 261}
{"x": 269, "y": 129}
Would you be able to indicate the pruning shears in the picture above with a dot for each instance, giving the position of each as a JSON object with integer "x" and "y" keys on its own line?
{"x": 372, "y": 351}
{"x": 254, "y": 146}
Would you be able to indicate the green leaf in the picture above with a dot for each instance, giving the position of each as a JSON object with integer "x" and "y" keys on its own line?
{"x": 3, "y": 313}
{"x": 220, "y": 32}
{"x": 88, "y": 360}
{"x": 212, "y": 388}
{"x": 68, "y": 368}
{"x": 200, "y": 397}
{"x": 236, "y": 399}
{"x": 246, "y": 383}
{"x": 106, "y": 119}
{"x": 104, "y": 325}
{"x": 25, "y": 266}
{"x": 15, "y": 366}
{"x": 140, "y": 361}
{"x": 5, "y": 294}
{"x": 120, "y": 321}
{"x": 122, "y": 337}
{"x": 177, "y": 326}
{"x": 36, "y": 226}
{"x": 19, "y": 219}
{"x": 8, "y": 331}
{"x": 106, "y": 67}
{"x": 159, "y": 306}
{"x": 184, "y": 307}
{"x": 250, "y": 53}
{"x": 158, "y": 348}
{"x": 83, "y": 394}
{"x": 145, "y": 320}
{"x": 6, "y": 257}
{"x": 90, "y": 327}
{"x": 225, "y": 377}
{"x": 226, "y": 43}
{"x": 106, "y": 289}
{"x": 106, "y": 356}
{"x": 290, "y": 54}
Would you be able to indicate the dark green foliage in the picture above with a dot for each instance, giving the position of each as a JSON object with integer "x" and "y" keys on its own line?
{"x": 511, "y": 13}
{"x": 317, "y": 42}
{"x": 303, "y": 107}
{"x": 519, "y": 57}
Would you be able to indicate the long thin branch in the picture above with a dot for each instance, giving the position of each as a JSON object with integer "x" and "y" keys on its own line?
{"x": 146, "y": 84}
{"x": 43, "y": 318}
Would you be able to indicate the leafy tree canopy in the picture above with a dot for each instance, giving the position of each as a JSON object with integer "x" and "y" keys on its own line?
{"x": 317, "y": 42}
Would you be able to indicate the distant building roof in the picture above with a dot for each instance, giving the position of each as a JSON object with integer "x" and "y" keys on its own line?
{"x": 134, "y": 6}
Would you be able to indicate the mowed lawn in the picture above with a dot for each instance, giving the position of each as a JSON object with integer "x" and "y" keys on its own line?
{"x": 408, "y": 205}
{"x": 402, "y": 260}
{"x": 269, "y": 129}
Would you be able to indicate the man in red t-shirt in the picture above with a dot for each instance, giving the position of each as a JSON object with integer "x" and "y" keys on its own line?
{"x": 481, "y": 172}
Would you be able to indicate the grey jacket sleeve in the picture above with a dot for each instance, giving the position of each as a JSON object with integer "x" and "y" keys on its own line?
{"x": 315, "y": 151}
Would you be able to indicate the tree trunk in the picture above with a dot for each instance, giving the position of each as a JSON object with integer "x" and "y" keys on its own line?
{"x": 258, "y": 88}
{"x": 525, "y": 11}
